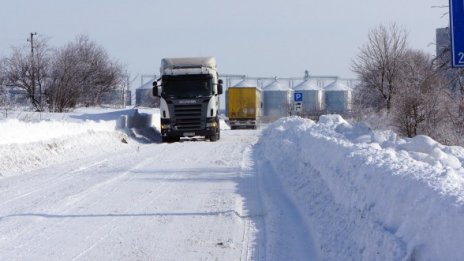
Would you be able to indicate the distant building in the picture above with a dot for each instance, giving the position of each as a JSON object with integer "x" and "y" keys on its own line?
{"x": 144, "y": 96}
{"x": 443, "y": 44}
{"x": 14, "y": 96}
{"x": 117, "y": 97}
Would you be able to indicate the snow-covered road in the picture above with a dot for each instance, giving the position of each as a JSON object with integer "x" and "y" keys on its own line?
{"x": 180, "y": 201}
{"x": 76, "y": 189}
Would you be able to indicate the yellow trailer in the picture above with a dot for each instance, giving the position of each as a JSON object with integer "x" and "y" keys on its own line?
{"x": 245, "y": 105}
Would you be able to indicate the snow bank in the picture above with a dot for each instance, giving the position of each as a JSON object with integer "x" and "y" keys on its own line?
{"x": 369, "y": 195}
{"x": 28, "y": 145}
{"x": 15, "y": 131}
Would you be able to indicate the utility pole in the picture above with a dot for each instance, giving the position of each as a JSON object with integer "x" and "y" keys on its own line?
{"x": 31, "y": 40}
{"x": 124, "y": 88}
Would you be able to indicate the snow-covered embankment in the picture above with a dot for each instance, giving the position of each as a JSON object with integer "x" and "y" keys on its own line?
{"x": 366, "y": 195}
{"x": 28, "y": 145}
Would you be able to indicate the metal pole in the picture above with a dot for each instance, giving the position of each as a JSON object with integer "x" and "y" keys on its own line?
{"x": 31, "y": 40}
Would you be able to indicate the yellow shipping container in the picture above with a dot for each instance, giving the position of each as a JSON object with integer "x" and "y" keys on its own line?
{"x": 245, "y": 104}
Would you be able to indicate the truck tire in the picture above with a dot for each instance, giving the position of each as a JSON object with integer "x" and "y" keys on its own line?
{"x": 214, "y": 137}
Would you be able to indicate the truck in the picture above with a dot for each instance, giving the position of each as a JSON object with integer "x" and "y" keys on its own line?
{"x": 244, "y": 107}
{"x": 189, "y": 90}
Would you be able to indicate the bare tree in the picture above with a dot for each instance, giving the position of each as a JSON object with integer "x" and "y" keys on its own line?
{"x": 419, "y": 105}
{"x": 3, "y": 92}
{"x": 64, "y": 90}
{"x": 30, "y": 72}
{"x": 453, "y": 80}
{"x": 82, "y": 73}
{"x": 2, "y": 71}
{"x": 97, "y": 72}
{"x": 379, "y": 66}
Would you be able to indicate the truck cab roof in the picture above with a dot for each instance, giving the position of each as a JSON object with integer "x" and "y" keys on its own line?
{"x": 194, "y": 65}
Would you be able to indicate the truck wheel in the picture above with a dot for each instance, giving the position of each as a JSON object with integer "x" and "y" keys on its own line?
{"x": 214, "y": 137}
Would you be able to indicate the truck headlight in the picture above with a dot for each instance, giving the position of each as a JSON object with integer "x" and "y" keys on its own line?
{"x": 165, "y": 126}
{"x": 211, "y": 124}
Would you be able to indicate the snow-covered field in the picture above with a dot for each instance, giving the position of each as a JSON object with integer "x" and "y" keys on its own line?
{"x": 83, "y": 186}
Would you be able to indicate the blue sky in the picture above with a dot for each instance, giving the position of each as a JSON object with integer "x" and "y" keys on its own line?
{"x": 254, "y": 37}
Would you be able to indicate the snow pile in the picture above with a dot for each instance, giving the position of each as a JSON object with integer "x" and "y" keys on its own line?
{"x": 15, "y": 131}
{"x": 369, "y": 195}
{"x": 32, "y": 144}
{"x": 26, "y": 145}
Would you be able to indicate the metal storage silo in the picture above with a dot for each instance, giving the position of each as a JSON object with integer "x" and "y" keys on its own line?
{"x": 337, "y": 97}
{"x": 312, "y": 98}
{"x": 277, "y": 101}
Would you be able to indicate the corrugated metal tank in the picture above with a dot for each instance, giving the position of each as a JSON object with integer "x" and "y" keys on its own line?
{"x": 337, "y": 97}
{"x": 313, "y": 96}
{"x": 276, "y": 99}
{"x": 243, "y": 84}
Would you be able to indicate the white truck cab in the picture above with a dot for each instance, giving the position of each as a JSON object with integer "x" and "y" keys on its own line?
{"x": 189, "y": 90}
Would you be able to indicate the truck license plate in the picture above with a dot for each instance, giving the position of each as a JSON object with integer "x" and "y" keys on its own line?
{"x": 189, "y": 134}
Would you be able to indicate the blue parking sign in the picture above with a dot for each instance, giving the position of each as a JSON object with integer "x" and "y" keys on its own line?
{"x": 457, "y": 32}
{"x": 298, "y": 96}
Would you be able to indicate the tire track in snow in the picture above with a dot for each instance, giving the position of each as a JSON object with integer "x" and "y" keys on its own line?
{"x": 113, "y": 220}
{"x": 46, "y": 185}
{"x": 38, "y": 231}
{"x": 254, "y": 220}
{"x": 213, "y": 221}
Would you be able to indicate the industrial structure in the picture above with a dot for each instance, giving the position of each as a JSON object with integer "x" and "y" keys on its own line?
{"x": 276, "y": 101}
{"x": 337, "y": 98}
{"x": 312, "y": 99}
{"x": 319, "y": 95}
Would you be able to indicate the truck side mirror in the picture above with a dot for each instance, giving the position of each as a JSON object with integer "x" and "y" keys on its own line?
{"x": 219, "y": 86}
{"x": 155, "y": 89}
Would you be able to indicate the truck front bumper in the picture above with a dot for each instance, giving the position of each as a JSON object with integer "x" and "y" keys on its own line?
{"x": 170, "y": 130}
{"x": 243, "y": 123}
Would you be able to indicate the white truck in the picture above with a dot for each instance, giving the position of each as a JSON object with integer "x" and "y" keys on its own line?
{"x": 189, "y": 90}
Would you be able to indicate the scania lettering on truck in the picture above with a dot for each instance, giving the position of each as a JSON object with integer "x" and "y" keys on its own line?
{"x": 189, "y": 90}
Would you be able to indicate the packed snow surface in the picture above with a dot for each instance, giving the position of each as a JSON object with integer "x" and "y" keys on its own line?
{"x": 99, "y": 185}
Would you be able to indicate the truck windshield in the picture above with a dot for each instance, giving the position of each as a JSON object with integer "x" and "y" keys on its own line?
{"x": 190, "y": 86}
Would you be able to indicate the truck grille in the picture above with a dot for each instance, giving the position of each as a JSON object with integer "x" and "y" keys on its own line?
{"x": 188, "y": 117}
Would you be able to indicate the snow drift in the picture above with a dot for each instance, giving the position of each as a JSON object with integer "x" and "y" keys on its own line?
{"x": 369, "y": 195}
{"x": 32, "y": 144}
